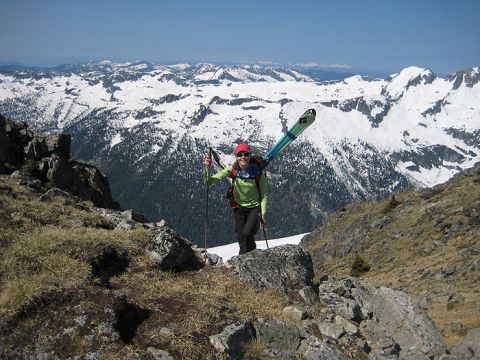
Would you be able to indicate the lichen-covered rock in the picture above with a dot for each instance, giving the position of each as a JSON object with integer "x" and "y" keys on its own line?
{"x": 295, "y": 312}
{"x": 170, "y": 251}
{"x": 313, "y": 349}
{"x": 284, "y": 267}
{"x": 308, "y": 294}
{"x": 280, "y": 338}
{"x": 332, "y": 330}
{"x": 233, "y": 339}
{"x": 390, "y": 320}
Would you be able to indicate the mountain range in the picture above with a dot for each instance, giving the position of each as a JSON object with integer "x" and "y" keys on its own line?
{"x": 148, "y": 126}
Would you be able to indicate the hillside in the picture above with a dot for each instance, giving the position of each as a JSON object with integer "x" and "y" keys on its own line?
{"x": 80, "y": 280}
{"x": 425, "y": 242}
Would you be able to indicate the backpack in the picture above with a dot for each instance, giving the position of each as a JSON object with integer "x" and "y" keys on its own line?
{"x": 257, "y": 160}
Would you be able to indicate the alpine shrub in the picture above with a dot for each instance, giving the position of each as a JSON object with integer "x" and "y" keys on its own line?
{"x": 359, "y": 266}
{"x": 392, "y": 204}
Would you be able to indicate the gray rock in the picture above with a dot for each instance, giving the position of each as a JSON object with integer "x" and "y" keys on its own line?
{"x": 284, "y": 267}
{"x": 334, "y": 331}
{"x": 132, "y": 215}
{"x": 295, "y": 312}
{"x": 469, "y": 347}
{"x": 400, "y": 322}
{"x": 308, "y": 294}
{"x": 378, "y": 339}
{"x": 166, "y": 331}
{"x": 159, "y": 354}
{"x": 314, "y": 349}
{"x": 31, "y": 182}
{"x": 349, "y": 327}
{"x": 76, "y": 223}
{"x": 277, "y": 335}
{"x": 55, "y": 192}
{"x": 169, "y": 251}
{"x": 348, "y": 308}
{"x": 232, "y": 339}
{"x": 125, "y": 224}
{"x": 406, "y": 322}
{"x": 412, "y": 354}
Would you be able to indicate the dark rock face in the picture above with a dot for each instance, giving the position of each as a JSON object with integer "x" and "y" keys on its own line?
{"x": 285, "y": 267}
{"x": 46, "y": 159}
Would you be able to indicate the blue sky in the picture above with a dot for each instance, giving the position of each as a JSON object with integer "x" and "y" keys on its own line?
{"x": 381, "y": 35}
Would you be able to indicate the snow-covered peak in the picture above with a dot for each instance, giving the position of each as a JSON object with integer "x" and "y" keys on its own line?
{"x": 410, "y": 76}
{"x": 468, "y": 77}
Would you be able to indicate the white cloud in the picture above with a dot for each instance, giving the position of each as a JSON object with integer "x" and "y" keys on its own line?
{"x": 266, "y": 62}
{"x": 311, "y": 64}
{"x": 323, "y": 66}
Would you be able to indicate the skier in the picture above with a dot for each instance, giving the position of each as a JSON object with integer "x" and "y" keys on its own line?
{"x": 249, "y": 195}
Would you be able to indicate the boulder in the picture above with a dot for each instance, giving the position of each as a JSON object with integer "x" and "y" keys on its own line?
{"x": 280, "y": 338}
{"x": 308, "y": 294}
{"x": 233, "y": 339}
{"x": 169, "y": 251}
{"x": 285, "y": 267}
{"x": 390, "y": 320}
{"x": 295, "y": 312}
{"x": 91, "y": 184}
{"x": 332, "y": 330}
{"x": 56, "y": 192}
{"x": 469, "y": 347}
{"x": 313, "y": 349}
{"x": 406, "y": 322}
{"x": 134, "y": 216}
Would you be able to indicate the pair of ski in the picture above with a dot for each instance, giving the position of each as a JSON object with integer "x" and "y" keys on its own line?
{"x": 302, "y": 123}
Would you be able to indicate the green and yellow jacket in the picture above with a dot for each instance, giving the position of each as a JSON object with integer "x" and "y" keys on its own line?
{"x": 245, "y": 188}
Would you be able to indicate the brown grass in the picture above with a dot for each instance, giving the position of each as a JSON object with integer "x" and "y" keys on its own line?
{"x": 44, "y": 253}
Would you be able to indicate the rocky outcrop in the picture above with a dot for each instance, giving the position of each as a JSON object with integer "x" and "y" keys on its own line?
{"x": 389, "y": 320}
{"x": 285, "y": 267}
{"x": 44, "y": 162}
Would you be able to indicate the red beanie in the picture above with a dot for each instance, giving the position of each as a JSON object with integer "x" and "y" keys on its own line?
{"x": 242, "y": 147}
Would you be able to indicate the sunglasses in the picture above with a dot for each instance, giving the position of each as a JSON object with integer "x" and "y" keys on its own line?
{"x": 243, "y": 154}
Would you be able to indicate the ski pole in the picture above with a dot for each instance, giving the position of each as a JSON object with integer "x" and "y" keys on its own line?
{"x": 206, "y": 202}
{"x": 265, "y": 235}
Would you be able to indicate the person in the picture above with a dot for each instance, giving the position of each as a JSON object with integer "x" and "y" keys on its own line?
{"x": 250, "y": 195}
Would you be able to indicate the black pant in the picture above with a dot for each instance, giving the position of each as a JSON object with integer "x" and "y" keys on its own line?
{"x": 247, "y": 222}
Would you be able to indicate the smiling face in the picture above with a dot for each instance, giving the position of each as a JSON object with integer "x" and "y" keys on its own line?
{"x": 243, "y": 158}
